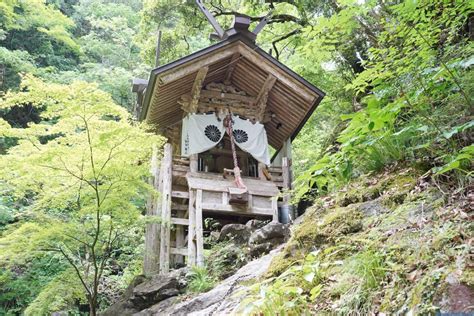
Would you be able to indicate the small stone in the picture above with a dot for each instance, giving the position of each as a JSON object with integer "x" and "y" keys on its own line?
{"x": 238, "y": 233}
{"x": 255, "y": 224}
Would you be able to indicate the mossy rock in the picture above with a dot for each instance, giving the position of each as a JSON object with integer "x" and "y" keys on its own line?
{"x": 394, "y": 187}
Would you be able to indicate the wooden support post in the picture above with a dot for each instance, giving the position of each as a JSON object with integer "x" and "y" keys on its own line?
{"x": 262, "y": 96}
{"x": 196, "y": 90}
{"x": 152, "y": 231}
{"x": 275, "y": 209}
{"x": 286, "y": 163}
{"x": 193, "y": 163}
{"x": 285, "y": 168}
{"x": 167, "y": 163}
{"x": 261, "y": 175}
{"x": 225, "y": 198}
{"x": 179, "y": 230}
{"x": 230, "y": 69}
{"x": 192, "y": 229}
{"x": 199, "y": 230}
{"x": 286, "y": 186}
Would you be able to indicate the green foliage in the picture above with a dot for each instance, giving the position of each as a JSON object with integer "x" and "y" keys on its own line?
{"x": 60, "y": 294}
{"x": 289, "y": 293}
{"x": 226, "y": 258}
{"x": 20, "y": 286}
{"x": 414, "y": 91}
{"x": 82, "y": 169}
{"x": 200, "y": 280}
{"x": 461, "y": 161}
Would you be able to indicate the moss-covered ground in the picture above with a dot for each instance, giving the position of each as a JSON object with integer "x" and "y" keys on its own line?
{"x": 386, "y": 244}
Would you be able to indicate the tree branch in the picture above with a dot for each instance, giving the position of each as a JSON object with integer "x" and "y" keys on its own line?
{"x": 281, "y": 38}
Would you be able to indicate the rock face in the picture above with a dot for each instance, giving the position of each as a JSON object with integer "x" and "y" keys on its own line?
{"x": 224, "y": 299}
{"x": 160, "y": 294}
{"x": 238, "y": 233}
{"x": 271, "y": 231}
{"x": 143, "y": 293}
{"x": 264, "y": 239}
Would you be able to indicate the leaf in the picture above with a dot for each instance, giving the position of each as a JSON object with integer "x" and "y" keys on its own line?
{"x": 309, "y": 276}
{"x": 316, "y": 291}
{"x": 458, "y": 129}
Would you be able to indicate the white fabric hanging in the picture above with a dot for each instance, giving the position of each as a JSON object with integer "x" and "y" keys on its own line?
{"x": 202, "y": 132}
{"x": 251, "y": 138}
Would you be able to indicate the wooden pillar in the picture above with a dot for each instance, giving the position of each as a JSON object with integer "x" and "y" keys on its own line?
{"x": 275, "y": 209}
{"x": 193, "y": 167}
{"x": 179, "y": 231}
{"x": 286, "y": 174}
{"x": 166, "y": 209}
{"x": 192, "y": 229}
{"x": 193, "y": 163}
{"x": 151, "y": 256}
{"x": 199, "y": 230}
{"x": 261, "y": 175}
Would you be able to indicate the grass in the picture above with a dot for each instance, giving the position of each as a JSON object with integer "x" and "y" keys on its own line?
{"x": 200, "y": 280}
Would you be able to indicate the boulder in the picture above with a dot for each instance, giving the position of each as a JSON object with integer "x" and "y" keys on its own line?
{"x": 255, "y": 224}
{"x": 238, "y": 233}
{"x": 260, "y": 249}
{"x": 143, "y": 293}
{"x": 271, "y": 231}
{"x": 224, "y": 299}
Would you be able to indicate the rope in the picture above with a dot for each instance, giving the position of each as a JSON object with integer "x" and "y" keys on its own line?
{"x": 238, "y": 179}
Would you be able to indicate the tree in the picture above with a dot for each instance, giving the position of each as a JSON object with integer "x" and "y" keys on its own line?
{"x": 83, "y": 167}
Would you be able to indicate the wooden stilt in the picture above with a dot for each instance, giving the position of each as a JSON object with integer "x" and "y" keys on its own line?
{"x": 179, "y": 238}
{"x": 152, "y": 231}
{"x": 275, "y": 209}
{"x": 192, "y": 230}
{"x": 199, "y": 230}
{"x": 166, "y": 210}
{"x": 285, "y": 166}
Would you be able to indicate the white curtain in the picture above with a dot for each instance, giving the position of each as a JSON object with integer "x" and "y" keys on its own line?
{"x": 202, "y": 132}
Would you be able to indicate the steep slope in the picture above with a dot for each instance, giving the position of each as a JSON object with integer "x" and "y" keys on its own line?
{"x": 392, "y": 243}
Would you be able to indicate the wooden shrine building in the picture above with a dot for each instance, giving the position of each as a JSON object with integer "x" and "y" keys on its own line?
{"x": 230, "y": 103}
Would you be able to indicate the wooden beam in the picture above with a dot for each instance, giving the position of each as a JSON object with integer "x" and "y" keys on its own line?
{"x": 196, "y": 89}
{"x": 284, "y": 77}
{"x": 230, "y": 69}
{"x": 165, "y": 235}
{"x": 179, "y": 221}
{"x": 199, "y": 230}
{"x": 151, "y": 258}
{"x": 275, "y": 209}
{"x": 179, "y": 251}
{"x": 191, "y": 229}
{"x": 180, "y": 194}
{"x": 227, "y": 95}
{"x": 193, "y": 163}
{"x": 262, "y": 96}
{"x": 227, "y": 208}
{"x": 179, "y": 232}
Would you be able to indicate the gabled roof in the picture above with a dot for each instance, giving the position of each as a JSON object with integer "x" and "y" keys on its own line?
{"x": 292, "y": 99}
